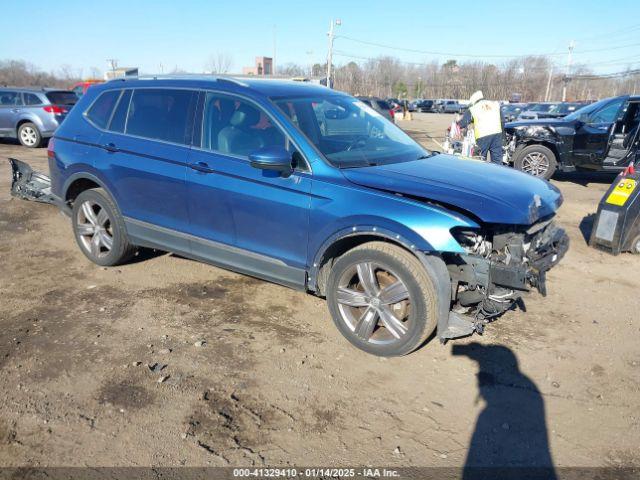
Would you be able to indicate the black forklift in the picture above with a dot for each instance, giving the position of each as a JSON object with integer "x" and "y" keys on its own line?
{"x": 617, "y": 224}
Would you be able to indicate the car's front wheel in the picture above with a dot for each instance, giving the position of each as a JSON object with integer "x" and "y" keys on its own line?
{"x": 99, "y": 229}
{"x": 382, "y": 299}
{"x": 536, "y": 160}
{"x": 29, "y": 135}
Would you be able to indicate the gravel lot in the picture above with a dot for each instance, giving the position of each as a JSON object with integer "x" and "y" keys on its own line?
{"x": 275, "y": 384}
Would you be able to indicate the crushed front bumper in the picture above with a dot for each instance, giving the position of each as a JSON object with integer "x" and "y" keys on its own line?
{"x": 27, "y": 184}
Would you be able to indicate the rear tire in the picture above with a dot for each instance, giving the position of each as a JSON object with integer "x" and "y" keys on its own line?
{"x": 393, "y": 310}
{"x": 635, "y": 245}
{"x": 29, "y": 135}
{"x": 536, "y": 160}
{"x": 99, "y": 229}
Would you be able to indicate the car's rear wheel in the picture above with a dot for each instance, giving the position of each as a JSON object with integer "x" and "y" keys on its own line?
{"x": 99, "y": 229}
{"x": 635, "y": 245}
{"x": 382, "y": 299}
{"x": 29, "y": 135}
{"x": 536, "y": 160}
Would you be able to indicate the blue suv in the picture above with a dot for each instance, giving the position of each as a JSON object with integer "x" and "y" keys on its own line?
{"x": 309, "y": 188}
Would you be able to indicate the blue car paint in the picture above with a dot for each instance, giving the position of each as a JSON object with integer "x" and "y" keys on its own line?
{"x": 279, "y": 227}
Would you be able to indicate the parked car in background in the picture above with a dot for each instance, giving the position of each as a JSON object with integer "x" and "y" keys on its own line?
{"x": 379, "y": 105}
{"x": 535, "y": 109}
{"x": 424, "y": 106}
{"x": 303, "y": 186}
{"x": 32, "y": 115}
{"x": 602, "y": 136}
{"x": 511, "y": 111}
{"x": 453, "y": 106}
{"x": 80, "y": 88}
{"x": 560, "y": 110}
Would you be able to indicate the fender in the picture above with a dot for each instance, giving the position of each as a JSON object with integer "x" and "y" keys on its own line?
{"x": 85, "y": 171}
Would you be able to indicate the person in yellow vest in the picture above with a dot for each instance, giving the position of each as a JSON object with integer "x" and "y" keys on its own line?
{"x": 487, "y": 125}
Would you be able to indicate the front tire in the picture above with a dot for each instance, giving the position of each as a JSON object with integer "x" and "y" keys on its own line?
{"x": 99, "y": 229}
{"x": 382, "y": 299}
{"x": 29, "y": 135}
{"x": 536, "y": 160}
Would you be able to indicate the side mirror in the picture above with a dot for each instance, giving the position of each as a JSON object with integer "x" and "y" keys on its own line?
{"x": 272, "y": 158}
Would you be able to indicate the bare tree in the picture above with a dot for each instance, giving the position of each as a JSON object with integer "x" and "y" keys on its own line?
{"x": 219, "y": 63}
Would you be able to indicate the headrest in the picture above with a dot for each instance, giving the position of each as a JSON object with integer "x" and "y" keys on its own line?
{"x": 245, "y": 116}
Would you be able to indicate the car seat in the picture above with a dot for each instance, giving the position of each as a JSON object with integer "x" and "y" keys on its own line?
{"x": 239, "y": 138}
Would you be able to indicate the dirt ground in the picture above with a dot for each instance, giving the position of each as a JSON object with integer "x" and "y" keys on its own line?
{"x": 275, "y": 383}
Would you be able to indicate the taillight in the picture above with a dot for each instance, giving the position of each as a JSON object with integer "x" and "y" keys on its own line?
{"x": 55, "y": 109}
{"x": 50, "y": 152}
{"x": 392, "y": 113}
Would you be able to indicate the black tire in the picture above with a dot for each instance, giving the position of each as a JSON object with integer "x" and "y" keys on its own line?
{"x": 29, "y": 135}
{"x": 523, "y": 157}
{"x": 635, "y": 245}
{"x": 101, "y": 204}
{"x": 418, "y": 311}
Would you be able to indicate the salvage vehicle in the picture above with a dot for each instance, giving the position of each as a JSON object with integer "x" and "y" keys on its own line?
{"x": 32, "y": 115}
{"x": 309, "y": 188}
{"x": 602, "y": 136}
{"x": 510, "y": 111}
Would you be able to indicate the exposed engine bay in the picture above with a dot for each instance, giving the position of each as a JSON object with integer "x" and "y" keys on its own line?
{"x": 501, "y": 264}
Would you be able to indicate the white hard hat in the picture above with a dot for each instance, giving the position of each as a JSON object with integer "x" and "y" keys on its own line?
{"x": 476, "y": 97}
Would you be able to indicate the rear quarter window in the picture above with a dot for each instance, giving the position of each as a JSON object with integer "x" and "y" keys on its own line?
{"x": 100, "y": 111}
{"x": 32, "y": 99}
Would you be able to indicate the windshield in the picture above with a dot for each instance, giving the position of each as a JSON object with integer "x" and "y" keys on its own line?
{"x": 349, "y": 133}
{"x": 583, "y": 113}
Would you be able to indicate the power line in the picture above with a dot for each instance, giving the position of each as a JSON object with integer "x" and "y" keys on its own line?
{"x": 465, "y": 55}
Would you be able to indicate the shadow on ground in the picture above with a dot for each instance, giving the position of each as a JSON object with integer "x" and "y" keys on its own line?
{"x": 510, "y": 438}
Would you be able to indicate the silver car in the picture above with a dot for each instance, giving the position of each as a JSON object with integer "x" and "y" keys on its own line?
{"x": 32, "y": 115}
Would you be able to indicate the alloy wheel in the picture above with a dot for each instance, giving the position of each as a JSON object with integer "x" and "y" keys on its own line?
{"x": 94, "y": 229}
{"x": 28, "y": 135}
{"x": 536, "y": 164}
{"x": 374, "y": 303}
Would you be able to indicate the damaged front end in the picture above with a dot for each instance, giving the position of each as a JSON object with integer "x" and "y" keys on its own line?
{"x": 500, "y": 265}
{"x": 27, "y": 184}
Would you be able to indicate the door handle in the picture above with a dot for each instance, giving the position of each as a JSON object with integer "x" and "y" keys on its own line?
{"x": 201, "y": 167}
{"x": 110, "y": 147}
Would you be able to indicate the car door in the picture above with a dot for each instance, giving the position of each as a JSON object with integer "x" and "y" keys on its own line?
{"x": 10, "y": 102}
{"x": 592, "y": 135}
{"x": 250, "y": 219}
{"x": 143, "y": 155}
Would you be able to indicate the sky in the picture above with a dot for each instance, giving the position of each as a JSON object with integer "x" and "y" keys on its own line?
{"x": 163, "y": 35}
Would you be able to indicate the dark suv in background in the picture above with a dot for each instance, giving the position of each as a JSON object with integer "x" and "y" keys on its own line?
{"x": 602, "y": 136}
{"x": 32, "y": 115}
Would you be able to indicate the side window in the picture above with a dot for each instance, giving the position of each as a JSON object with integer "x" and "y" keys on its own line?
{"x": 9, "y": 98}
{"x": 100, "y": 112}
{"x": 161, "y": 114}
{"x": 606, "y": 114}
{"x": 237, "y": 127}
{"x": 31, "y": 99}
{"x": 118, "y": 121}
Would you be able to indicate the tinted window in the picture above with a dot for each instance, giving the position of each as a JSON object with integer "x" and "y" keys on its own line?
{"x": 382, "y": 105}
{"x": 237, "y": 127}
{"x": 62, "y": 98}
{"x": 161, "y": 114}
{"x": 9, "y": 98}
{"x": 100, "y": 111}
{"x": 118, "y": 121}
{"x": 606, "y": 114}
{"x": 31, "y": 99}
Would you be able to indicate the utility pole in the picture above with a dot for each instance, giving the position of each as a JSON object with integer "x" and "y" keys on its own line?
{"x": 336, "y": 23}
{"x": 566, "y": 77}
{"x": 113, "y": 63}
{"x": 546, "y": 95}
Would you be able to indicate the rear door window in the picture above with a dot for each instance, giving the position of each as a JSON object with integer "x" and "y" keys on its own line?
{"x": 100, "y": 111}
{"x": 9, "y": 99}
{"x": 162, "y": 114}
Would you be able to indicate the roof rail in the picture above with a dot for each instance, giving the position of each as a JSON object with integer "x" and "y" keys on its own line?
{"x": 172, "y": 76}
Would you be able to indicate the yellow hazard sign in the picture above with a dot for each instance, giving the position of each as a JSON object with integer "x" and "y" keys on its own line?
{"x": 622, "y": 192}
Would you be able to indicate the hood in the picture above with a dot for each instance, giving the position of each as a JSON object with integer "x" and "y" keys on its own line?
{"x": 492, "y": 193}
